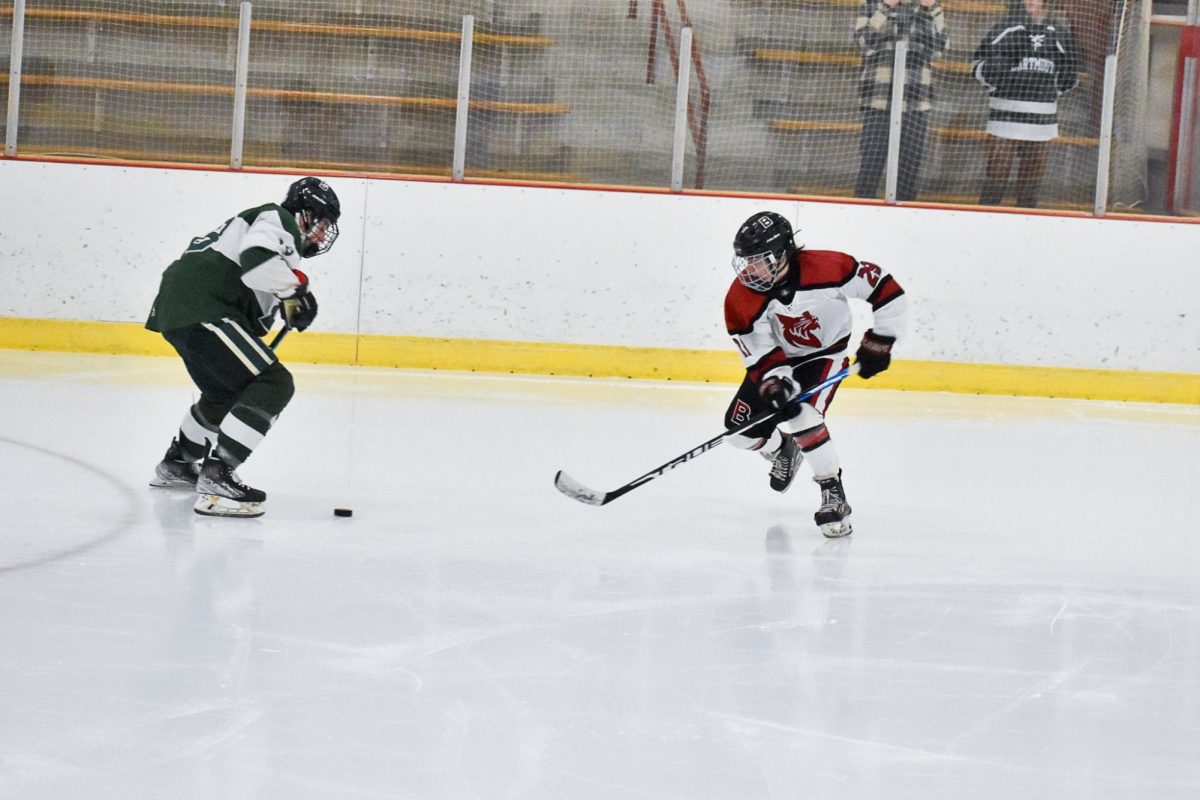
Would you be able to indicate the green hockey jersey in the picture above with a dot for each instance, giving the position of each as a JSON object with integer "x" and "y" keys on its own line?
{"x": 238, "y": 272}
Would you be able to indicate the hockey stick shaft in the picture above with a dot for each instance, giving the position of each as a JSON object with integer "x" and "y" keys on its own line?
{"x": 570, "y": 487}
{"x": 279, "y": 337}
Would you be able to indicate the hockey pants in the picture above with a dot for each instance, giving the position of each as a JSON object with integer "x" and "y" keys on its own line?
{"x": 747, "y": 403}
{"x": 243, "y": 387}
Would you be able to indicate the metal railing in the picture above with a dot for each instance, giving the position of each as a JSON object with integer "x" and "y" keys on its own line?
{"x": 697, "y": 117}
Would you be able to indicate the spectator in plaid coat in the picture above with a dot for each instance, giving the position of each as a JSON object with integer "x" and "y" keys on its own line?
{"x": 880, "y": 24}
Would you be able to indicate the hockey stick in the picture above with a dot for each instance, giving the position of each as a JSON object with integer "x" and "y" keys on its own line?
{"x": 577, "y": 491}
{"x": 279, "y": 337}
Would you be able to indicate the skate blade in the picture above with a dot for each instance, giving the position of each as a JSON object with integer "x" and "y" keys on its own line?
{"x": 211, "y": 505}
{"x": 170, "y": 483}
{"x": 836, "y": 530}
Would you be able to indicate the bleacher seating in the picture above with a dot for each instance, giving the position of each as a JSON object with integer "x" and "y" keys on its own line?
{"x": 374, "y": 101}
{"x": 570, "y": 91}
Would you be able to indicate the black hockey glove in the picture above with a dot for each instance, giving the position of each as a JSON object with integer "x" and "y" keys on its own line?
{"x": 874, "y": 354}
{"x": 300, "y": 309}
{"x": 778, "y": 391}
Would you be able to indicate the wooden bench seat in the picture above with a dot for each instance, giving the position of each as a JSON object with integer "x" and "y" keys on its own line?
{"x": 77, "y": 153}
{"x": 340, "y": 98}
{"x": 931, "y": 197}
{"x": 948, "y": 133}
{"x": 231, "y": 22}
{"x": 849, "y": 60}
{"x": 979, "y": 134}
{"x": 986, "y": 8}
{"x": 846, "y": 60}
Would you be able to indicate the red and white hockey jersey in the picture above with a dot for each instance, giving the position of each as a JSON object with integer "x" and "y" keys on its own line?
{"x": 807, "y": 316}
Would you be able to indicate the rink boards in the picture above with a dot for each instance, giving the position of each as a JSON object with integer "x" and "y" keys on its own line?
{"x": 615, "y": 283}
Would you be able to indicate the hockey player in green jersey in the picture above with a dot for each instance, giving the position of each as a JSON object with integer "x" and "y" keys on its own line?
{"x": 213, "y": 304}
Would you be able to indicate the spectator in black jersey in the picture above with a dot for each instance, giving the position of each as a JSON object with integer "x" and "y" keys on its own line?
{"x": 879, "y": 25}
{"x": 1026, "y": 62}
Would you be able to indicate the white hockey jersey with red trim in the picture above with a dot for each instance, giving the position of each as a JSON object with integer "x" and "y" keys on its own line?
{"x": 808, "y": 315}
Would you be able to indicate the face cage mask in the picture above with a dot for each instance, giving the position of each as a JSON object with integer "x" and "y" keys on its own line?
{"x": 309, "y": 248}
{"x": 760, "y": 271}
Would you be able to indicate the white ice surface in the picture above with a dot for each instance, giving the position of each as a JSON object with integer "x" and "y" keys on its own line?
{"x": 1016, "y": 615}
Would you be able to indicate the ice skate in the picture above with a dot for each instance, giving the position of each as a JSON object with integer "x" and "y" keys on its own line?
{"x": 222, "y": 493}
{"x": 785, "y": 464}
{"x": 175, "y": 471}
{"x": 833, "y": 517}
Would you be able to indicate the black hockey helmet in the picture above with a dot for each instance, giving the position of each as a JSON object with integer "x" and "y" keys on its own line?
{"x": 314, "y": 202}
{"x": 763, "y": 249}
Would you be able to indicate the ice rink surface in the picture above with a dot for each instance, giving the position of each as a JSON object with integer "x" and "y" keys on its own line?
{"x": 1017, "y": 613}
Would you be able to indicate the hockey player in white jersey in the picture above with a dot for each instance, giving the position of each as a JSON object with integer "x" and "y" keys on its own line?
{"x": 788, "y": 313}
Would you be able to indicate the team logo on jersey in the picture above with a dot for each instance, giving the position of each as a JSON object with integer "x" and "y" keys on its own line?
{"x": 741, "y": 412}
{"x": 1037, "y": 40}
{"x": 801, "y": 331}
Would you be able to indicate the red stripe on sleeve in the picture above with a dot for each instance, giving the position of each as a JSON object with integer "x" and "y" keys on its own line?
{"x": 887, "y": 291}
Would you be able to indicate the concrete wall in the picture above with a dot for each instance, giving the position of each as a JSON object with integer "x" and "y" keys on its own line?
{"x": 530, "y": 264}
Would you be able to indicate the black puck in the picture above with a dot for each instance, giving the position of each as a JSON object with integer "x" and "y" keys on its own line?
{"x": 343, "y": 512}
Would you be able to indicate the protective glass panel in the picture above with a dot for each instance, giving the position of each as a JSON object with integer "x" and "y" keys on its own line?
{"x": 128, "y": 80}
{"x": 1002, "y": 102}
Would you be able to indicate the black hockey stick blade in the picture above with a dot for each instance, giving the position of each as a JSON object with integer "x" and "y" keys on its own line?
{"x": 577, "y": 491}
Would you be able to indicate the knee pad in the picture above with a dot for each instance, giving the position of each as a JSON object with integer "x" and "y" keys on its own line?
{"x": 808, "y": 417}
{"x": 763, "y": 444}
{"x": 270, "y": 392}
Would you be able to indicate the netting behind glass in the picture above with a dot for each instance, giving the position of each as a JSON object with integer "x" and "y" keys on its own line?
{"x": 360, "y": 86}
{"x": 6, "y": 32}
{"x": 810, "y": 86}
{"x": 1186, "y": 179}
{"x": 127, "y": 80}
{"x": 1184, "y": 162}
{"x": 787, "y": 96}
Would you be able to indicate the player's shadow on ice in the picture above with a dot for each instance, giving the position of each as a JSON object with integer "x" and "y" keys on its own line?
{"x": 829, "y": 559}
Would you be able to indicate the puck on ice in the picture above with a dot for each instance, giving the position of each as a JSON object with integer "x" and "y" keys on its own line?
{"x": 343, "y": 512}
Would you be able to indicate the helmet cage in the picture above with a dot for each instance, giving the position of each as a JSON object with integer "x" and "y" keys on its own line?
{"x": 317, "y": 234}
{"x": 761, "y": 271}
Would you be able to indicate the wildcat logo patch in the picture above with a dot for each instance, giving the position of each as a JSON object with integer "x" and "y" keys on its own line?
{"x": 801, "y": 331}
